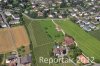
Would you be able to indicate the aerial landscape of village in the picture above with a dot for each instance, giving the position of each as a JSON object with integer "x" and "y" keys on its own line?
{"x": 49, "y": 32}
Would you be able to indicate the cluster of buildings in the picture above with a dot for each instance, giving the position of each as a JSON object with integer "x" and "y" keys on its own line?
{"x": 13, "y": 60}
{"x": 10, "y": 11}
{"x": 48, "y": 9}
{"x": 88, "y": 18}
{"x": 10, "y": 15}
{"x": 85, "y": 12}
{"x": 8, "y": 18}
{"x": 62, "y": 50}
{"x": 12, "y": 18}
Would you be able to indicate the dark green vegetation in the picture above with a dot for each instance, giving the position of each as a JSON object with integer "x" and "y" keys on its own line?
{"x": 1, "y": 58}
{"x": 2, "y": 63}
{"x": 42, "y": 39}
{"x": 88, "y": 44}
{"x": 74, "y": 52}
{"x": 21, "y": 51}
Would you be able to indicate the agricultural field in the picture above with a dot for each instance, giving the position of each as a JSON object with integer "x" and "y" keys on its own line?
{"x": 89, "y": 45}
{"x": 13, "y": 38}
{"x": 42, "y": 42}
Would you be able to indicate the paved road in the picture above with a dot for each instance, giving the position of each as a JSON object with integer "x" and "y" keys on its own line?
{"x": 44, "y": 18}
{"x": 96, "y": 65}
{"x": 64, "y": 34}
{"x": 18, "y": 59}
{"x": 4, "y": 18}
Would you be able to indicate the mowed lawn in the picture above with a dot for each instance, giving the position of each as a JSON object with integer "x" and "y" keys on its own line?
{"x": 42, "y": 43}
{"x": 50, "y": 29}
{"x": 89, "y": 45}
{"x": 95, "y": 34}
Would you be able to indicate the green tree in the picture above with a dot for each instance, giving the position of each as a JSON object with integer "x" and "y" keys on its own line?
{"x": 15, "y": 3}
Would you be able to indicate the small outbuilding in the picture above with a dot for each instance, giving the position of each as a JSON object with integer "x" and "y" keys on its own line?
{"x": 26, "y": 59}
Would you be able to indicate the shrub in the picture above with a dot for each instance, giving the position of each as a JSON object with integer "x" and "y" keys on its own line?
{"x": 97, "y": 60}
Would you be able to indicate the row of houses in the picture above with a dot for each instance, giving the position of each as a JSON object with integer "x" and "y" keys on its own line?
{"x": 14, "y": 18}
{"x": 87, "y": 26}
{"x": 7, "y": 18}
{"x": 86, "y": 20}
{"x": 13, "y": 59}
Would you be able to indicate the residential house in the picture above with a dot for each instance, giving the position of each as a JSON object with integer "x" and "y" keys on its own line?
{"x": 97, "y": 18}
{"x": 5, "y": 1}
{"x": 59, "y": 51}
{"x": 86, "y": 28}
{"x": 83, "y": 59}
{"x": 1, "y": 20}
{"x": 68, "y": 41}
{"x": 0, "y": 8}
{"x": 73, "y": 14}
{"x": 26, "y": 59}
{"x": 75, "y": 9}
{"x": 60, "y": 16}
{"x": 15, "y": 16}
{"x": 96, "y": 22}
{"x": 14, "y": 22}
{"x": 79, "y": 21}
{"x": 81, "y": 24}
{"x": 12, "y": 57}
{"x": 50, "y": 15}
{"x": 92, "y": 26}
{"x": 3, "y": 25}
{"x": 7, "y": 13}
{"x": 87, "y": 23}
{"x": 40, "y": 14}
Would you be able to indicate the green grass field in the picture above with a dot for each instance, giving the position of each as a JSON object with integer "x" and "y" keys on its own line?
{"x": 42, "y": 43}
{"x": 89, "y": 45}
{"x": 51, "y": 30}
{"x": 95, "y": 34}
{"x": 43, "y": 34}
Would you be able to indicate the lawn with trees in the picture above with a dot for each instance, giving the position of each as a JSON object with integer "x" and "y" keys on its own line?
{"x": 41, "y": 42}
{"x": 87, "y": 43}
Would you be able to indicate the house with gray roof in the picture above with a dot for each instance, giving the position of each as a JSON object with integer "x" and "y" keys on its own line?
{"x": 81, "y": 24}
{"x": 26, "y": 59}
{"x": 92, "y": 26}
{"x": 87, "y": 28}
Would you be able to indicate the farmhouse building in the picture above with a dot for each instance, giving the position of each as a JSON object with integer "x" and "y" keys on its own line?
{"x": 68, "y": 40}
{"x": 59, "y": 51}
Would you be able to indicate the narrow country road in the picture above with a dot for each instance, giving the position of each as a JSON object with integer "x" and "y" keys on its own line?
{"x": 63, "y": 31}
{"x": 64, "y": 35}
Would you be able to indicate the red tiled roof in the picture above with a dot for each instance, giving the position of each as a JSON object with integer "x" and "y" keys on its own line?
{"x": 83, "y": 59}
{"x": 69, "y": 40}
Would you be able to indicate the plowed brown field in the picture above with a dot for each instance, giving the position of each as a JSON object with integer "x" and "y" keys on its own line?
{"x": 12, "y": 38}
